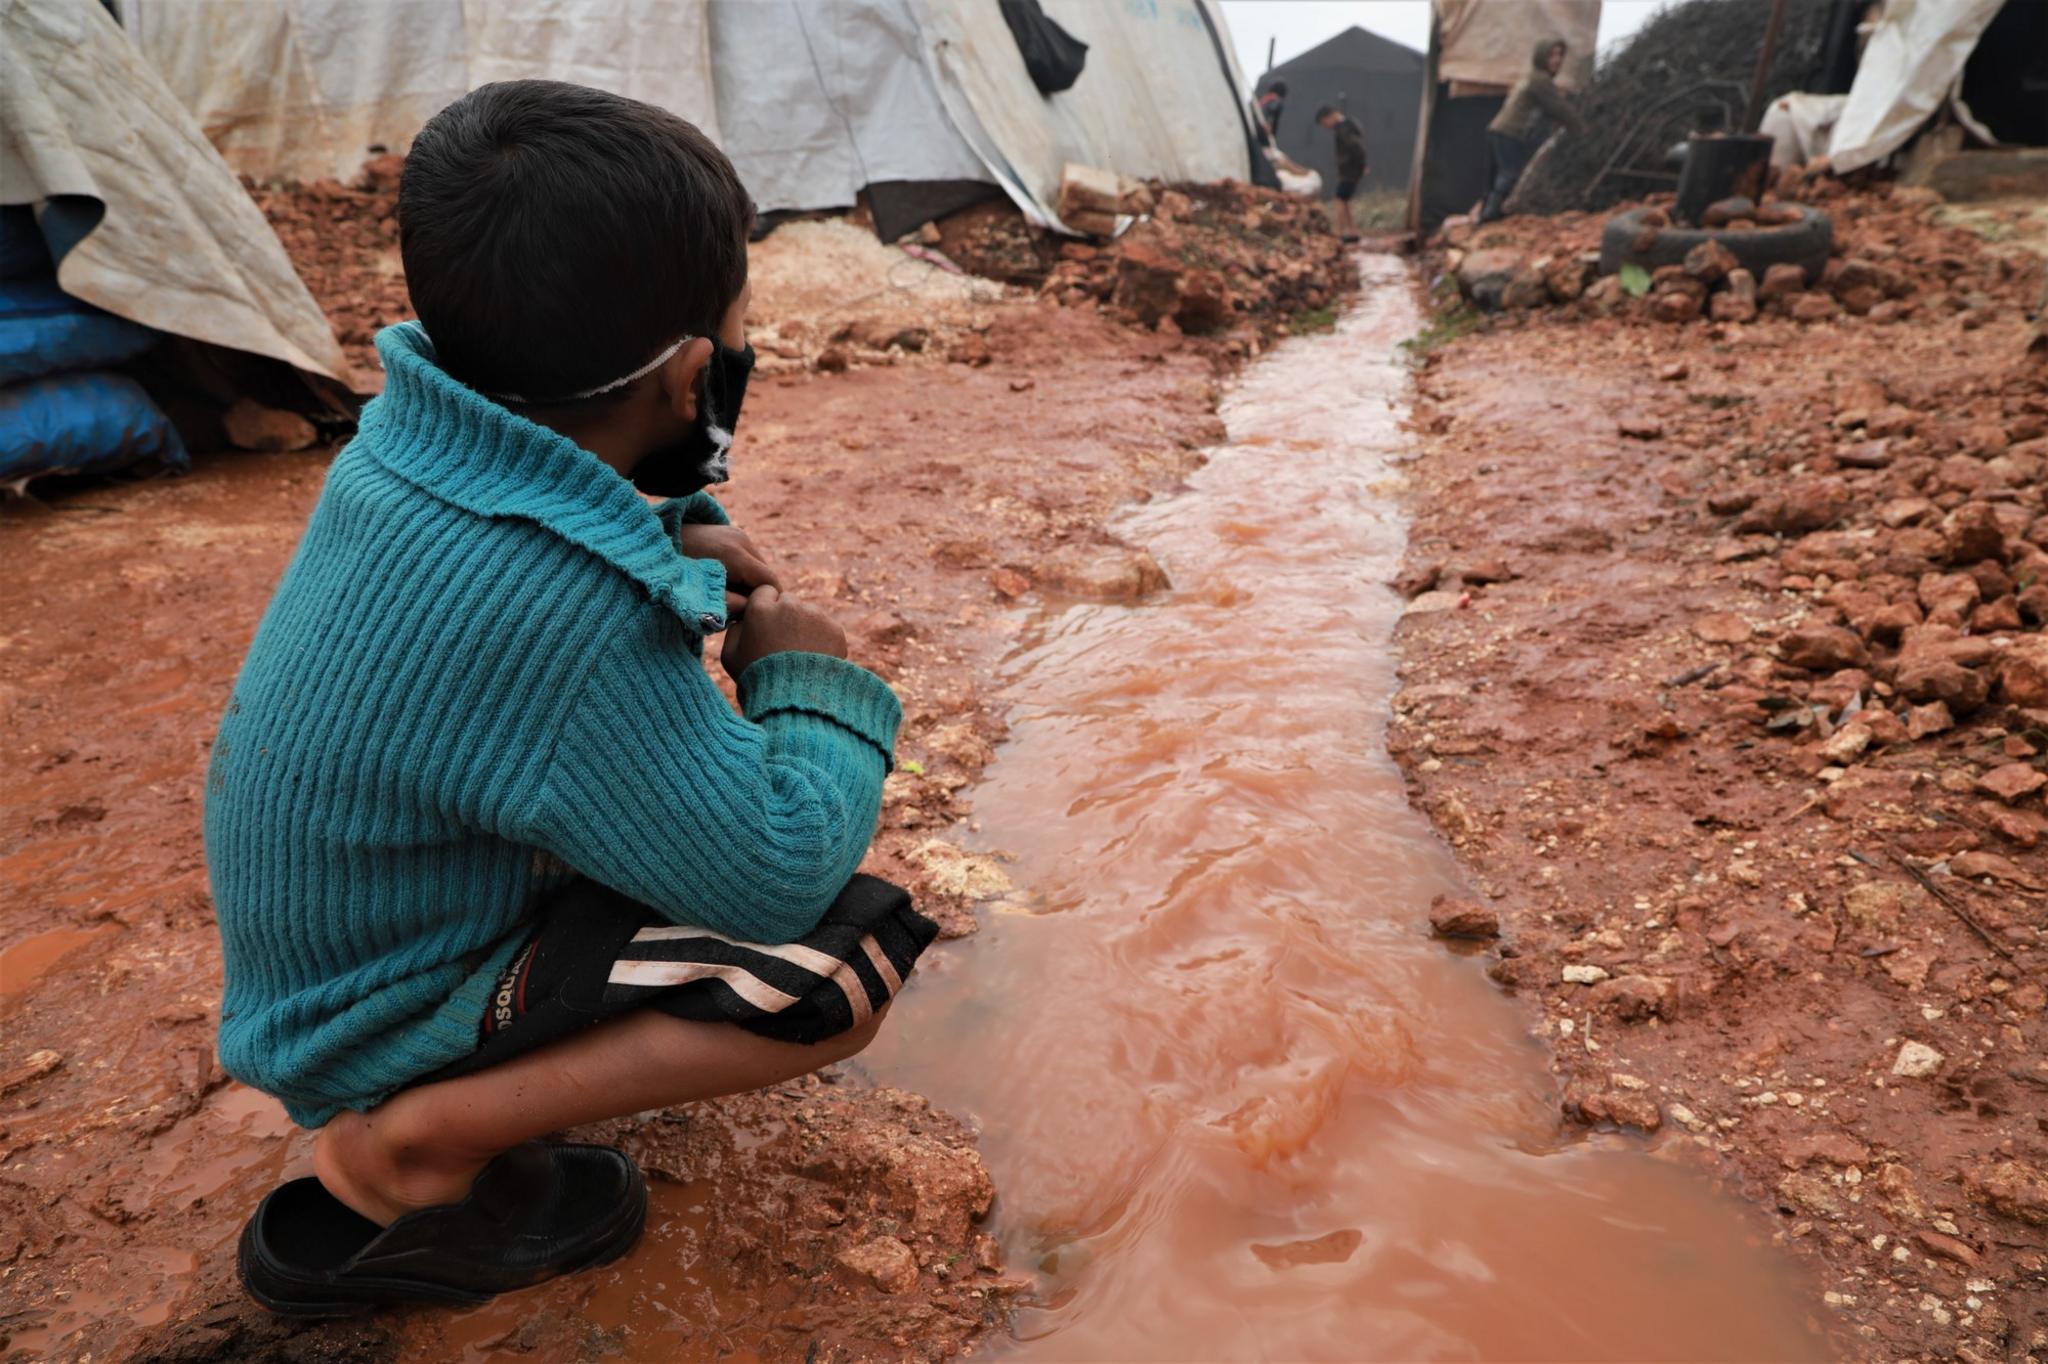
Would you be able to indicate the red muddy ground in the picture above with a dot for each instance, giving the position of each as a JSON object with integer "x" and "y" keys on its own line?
{"x": 1729, "y": 692}
{"x": 825, "y": 1220}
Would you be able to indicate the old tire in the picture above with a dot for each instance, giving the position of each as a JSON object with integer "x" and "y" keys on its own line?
{"x": 1805, "y": 244}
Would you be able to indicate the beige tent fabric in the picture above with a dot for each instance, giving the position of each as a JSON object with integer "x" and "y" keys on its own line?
{"x": 181, "y": 246}
{"x": 653, "y": 50}
{"x": 1489, "y": 41}
{"x": 303, "y": 89}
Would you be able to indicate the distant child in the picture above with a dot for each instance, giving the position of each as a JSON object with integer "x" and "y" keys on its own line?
{"x": 491, "y": 854}
{"x": 1350, "y": 164}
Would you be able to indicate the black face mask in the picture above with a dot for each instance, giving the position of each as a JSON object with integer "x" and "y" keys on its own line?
{"x": 704, "y": 456}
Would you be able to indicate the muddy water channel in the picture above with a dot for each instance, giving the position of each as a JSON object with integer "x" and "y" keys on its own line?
{"x": 1238, "y": 1105}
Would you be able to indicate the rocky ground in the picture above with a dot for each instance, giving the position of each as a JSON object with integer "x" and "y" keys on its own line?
{"x": 1725, "y": 674}
{"x": 1231, "y": 262}
{"x": 916, "y": 489}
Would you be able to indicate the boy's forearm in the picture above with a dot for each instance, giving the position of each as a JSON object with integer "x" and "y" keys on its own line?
{"x": 748, "y": 826}
{"x": 832, "y": 689}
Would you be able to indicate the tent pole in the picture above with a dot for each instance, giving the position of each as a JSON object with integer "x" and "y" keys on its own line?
{"x": 1269, "y": 52}
{"x": 1754, "y": 114}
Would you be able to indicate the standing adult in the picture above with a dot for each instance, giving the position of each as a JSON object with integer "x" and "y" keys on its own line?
{"x": 1351, "y": 164}
{"x": 1517, "y": 130}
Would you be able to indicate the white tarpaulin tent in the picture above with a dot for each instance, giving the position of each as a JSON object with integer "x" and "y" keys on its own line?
{"x": 1158, "y": 98}
{"x": 850, "y": 103}
{"x": 1911, "y": 67}
{"x": 177, "y": 244}
{"x": 813, "y": 99}
{"x": 302, "y": 89}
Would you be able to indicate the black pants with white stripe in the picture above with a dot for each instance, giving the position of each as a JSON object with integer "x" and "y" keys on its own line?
{"x": 595, "y": 954}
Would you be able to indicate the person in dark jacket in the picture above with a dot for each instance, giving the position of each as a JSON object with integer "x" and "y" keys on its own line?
{"x": 1517, "y": 130}
{"x": 1351, "y": 163}
{"x": 1272, "y": 105}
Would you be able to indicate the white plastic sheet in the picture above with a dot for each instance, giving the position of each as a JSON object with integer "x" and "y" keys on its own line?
{"x": 180, "y": 246}
{"x": 1910, "y": 66}
{"x": 1800, "y": 126}
{"x": 1154, "y": 99}
{"x": 817, "y": 98}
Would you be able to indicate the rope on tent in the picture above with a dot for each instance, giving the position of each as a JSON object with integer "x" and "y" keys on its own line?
{"x": 818, "y": 70}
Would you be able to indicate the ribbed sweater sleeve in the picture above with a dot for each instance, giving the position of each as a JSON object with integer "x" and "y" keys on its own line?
{"x": 746, "y": 824}
{"x": 698, "y": 509}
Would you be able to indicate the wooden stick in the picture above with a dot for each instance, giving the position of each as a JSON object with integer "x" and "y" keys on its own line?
{"x": 1927, "y": 884}
{"x": 1754, "y": 114}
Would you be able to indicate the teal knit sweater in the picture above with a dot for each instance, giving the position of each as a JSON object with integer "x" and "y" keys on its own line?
{"x": 481, "y": 676}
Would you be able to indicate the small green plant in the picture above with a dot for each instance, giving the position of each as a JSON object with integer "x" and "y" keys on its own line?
{"x": 1445, "y": 325}
{"x": 1311, "y": 320}
{"x": 1635, "y": 279}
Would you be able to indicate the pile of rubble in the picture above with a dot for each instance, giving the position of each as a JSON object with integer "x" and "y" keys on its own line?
{"x": 1919, "y": 531}
{"x": 1888, "y": 264}
{"x": 343, "y": 239}
{"x": 1226, "y": 260}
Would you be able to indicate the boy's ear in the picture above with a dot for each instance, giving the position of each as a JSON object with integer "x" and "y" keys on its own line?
{"x": 679, "y": 386}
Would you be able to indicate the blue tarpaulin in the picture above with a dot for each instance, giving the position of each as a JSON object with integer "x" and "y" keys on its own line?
{"x": 60, "y": 410}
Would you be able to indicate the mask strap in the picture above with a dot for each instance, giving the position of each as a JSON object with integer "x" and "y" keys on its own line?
{"x": 641, "y": 373}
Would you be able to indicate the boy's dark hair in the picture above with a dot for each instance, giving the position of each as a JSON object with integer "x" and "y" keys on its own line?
{"x": 1277, "y": 88}
{"x": 556, "y": 237}
{"x": 1326, "y": 111}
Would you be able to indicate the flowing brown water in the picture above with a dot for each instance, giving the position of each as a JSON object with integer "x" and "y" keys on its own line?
{"x": 1237, "y": 1104}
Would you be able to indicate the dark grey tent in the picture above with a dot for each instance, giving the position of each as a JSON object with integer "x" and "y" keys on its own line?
{"x": 1375, "y": 80}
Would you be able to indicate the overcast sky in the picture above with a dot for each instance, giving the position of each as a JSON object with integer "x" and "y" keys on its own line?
{"x": 1295, "y": 26}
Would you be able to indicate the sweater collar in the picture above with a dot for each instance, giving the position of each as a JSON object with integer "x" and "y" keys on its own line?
{"x": 458, "y": 445}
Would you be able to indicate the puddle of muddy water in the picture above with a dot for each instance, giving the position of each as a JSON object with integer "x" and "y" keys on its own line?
{"x": 1236, "y": 1103}
{"x": 232, "y": 1150}
{"x": 23, "y": 962}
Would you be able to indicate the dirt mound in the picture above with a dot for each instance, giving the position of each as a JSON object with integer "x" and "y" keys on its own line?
{"x": 1225, "y": 260}
{"x": 1228, "y": 261}
{"x": 1686, "y": 70}
{"x": 829, "y": 295}
{"x": 344, "y": 241}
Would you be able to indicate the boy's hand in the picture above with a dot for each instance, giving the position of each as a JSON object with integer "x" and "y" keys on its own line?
{"x": 774, "y": 624}
{"x": 745, "y": 567}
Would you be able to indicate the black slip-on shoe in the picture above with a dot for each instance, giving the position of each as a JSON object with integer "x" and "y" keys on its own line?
{"x": 538, "y": 1210}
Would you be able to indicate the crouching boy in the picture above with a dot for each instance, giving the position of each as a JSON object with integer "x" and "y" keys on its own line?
{"x": 492, "y": 856}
